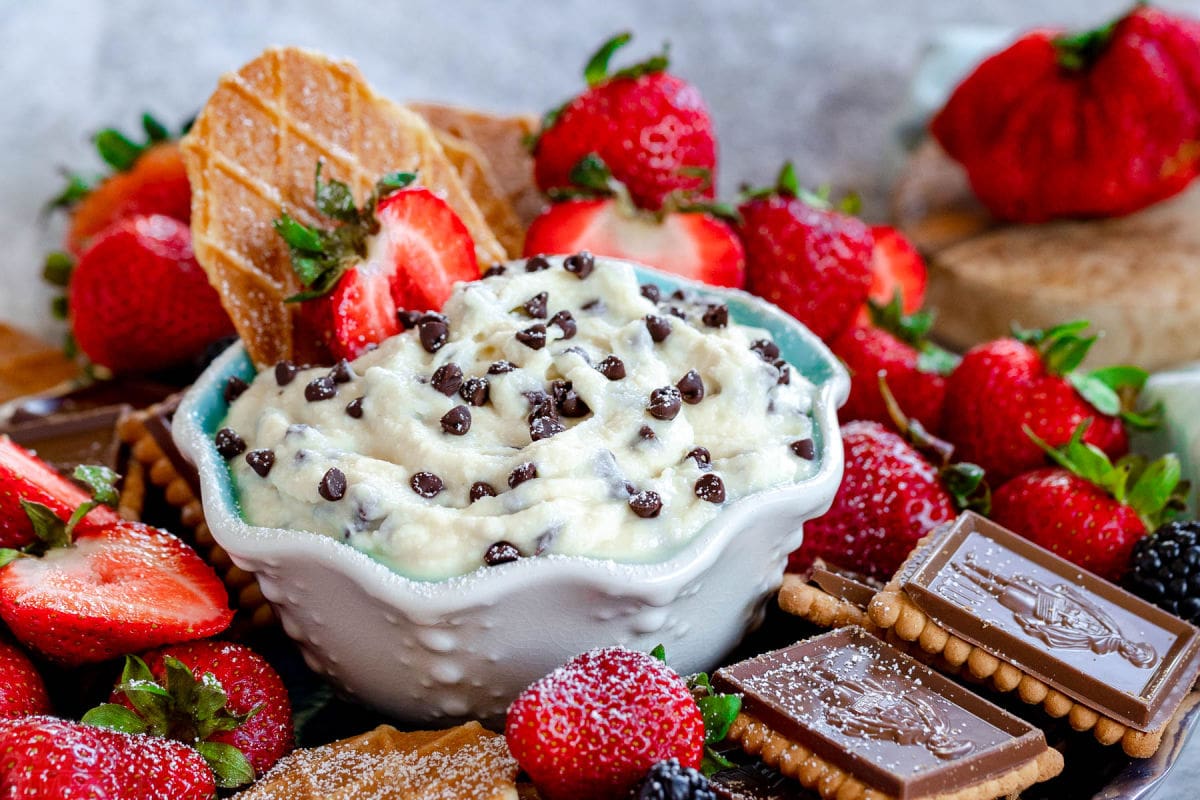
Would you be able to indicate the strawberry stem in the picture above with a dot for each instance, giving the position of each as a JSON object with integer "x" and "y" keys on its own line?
{"x": 1079, "y": 51}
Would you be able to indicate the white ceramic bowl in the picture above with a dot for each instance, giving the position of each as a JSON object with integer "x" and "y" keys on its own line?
{"x": 434, "y": 652}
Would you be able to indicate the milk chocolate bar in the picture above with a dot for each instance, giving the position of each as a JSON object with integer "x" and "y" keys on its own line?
{"x": 848, "y": 715}
{"x": 986, "y": 601}
{"x": 69, "y": 439}
{"x": 827, "y": 596}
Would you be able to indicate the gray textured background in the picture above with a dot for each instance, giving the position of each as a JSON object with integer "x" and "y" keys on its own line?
{"x": 823, "y": 83}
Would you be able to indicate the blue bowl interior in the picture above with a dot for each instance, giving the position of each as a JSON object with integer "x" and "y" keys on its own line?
{"x": 815, "y": 363}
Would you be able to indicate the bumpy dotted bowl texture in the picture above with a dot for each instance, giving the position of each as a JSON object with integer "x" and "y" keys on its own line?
{"x": 436, "y": 652}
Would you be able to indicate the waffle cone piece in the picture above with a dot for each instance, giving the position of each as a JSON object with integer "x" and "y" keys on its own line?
{"x": 387, "y": 764}
{"x": 251, "y": 155}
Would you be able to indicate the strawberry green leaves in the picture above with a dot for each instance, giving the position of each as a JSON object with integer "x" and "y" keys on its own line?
{"x": 1154, "y": 489}
{"x": 1112, "y": 391}
{"x": 50, "y": 531}
{"x": 181, "y": 707}
{"x": 718, "y": 711}
{"x": 912, "y": 329}
{"x": 596, "y": 72}
{"x": 321, "y": 256}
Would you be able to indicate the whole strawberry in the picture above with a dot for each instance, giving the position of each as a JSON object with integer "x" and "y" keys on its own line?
{"x": 1002, "y": 386}
{"x": 1088, "y": 510}
{"x": 1026, "y": 123}
{"x": 138, "y": 301}
{"x": 803, "y": 256}
{"x": 222, "y": 698}
{"x": 43, "y": 758}
{"x": 80, "y": 594}
{"x": 651, "y": 128}
{"x": 894, "y": 348}
{"x": 22, "y": 692}
{"x": 889, "y": 498}
{"x": 593, "y": 728}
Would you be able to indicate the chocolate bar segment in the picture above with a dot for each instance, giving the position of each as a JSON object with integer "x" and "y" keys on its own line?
{"x": 1080, "y": 634}
{"x": 868, "y": 709}
{"x": 67, "y": 440}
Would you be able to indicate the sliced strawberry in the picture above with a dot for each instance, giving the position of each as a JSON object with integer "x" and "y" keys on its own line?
{"x": 405, "y": 248}
{"x": 24, "y": 476}
{"x": 119, "y": 589}
{"x": 896, "y": 267}
{"x": 693, "y": 244}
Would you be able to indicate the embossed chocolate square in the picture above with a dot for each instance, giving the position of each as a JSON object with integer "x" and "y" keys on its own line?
{"x": 849, "y": 715}
{"x": 1081, "y": 635}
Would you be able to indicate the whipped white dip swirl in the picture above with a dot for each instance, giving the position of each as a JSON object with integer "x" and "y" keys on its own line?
{"x": 554, "y": 408}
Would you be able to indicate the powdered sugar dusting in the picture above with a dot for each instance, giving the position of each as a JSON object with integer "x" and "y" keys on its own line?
{"x": 386, "y": 764}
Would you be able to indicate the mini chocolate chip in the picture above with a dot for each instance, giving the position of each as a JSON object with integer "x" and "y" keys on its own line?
{"x": 646, "y": 432}
{"x": 524, "y": 472}
{"x": 536, "y": 305}
{"x": 408, "y": 319}
{"x": 701, "y": 456}
{"x": 539, "y": 403}
{"x": 501, "y": 367}
{"x": 494, "y": 271}
{"x": 664, "y": 403}
{"x": 333, "y": 485}
{"x": 581, "y": 264}
{"x": 766, "y": 349}
{"x": 234, "y": 388}
{"x": 447, "y": 378}
{"x": 651, "y": 292}
{"x": 426, "y": 484}
{"x": 805, "y": 448}
{"x": 565, "y": 323}
{"x": 785, "y": 372}
{"x": 321, "y": 388}
{"x": 595, "y": 306}
{"x": 457, "y": 421}
{"x": 480, "y": 490}
{"x": 543, "y": 427}
{"x": 501, "y": 553}
{"x": 572, "y": 405}
{"x": 341, "y": 372}
{"x": 612, "y": 368}
{"x": 285, "y": 372}
{"x": 716, "y": 316}
{"x": 537, "y": 264}
{"x": 678, "y": 295}
{"x": 691, "y": 387}
{"x": 710, "y": 488}
{"x": 676, "y": 311}
{"x": 659, "y": 327}
{"x": 533, "y": 337}
{"x": 646, "y": 504}
{"x": 475, "y": 391}
{"x": 229, "y": 444}
{"x": 432, "y": 316}
{"x": 433, "y": 333}
{"x": 354, "y": 408}
{"x": 261, "y": 461}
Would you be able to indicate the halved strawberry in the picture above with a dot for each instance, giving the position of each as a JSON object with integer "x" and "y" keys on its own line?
{"x": 896, "y": 267}
{"x": 118, "y": 588}
{"x": 24, "y": 476}
{"x": 404, "y": 249}
{"x": 694, "y": 244}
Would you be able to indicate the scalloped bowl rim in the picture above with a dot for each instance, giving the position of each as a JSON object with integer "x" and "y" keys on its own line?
{"x": 652, "y": 579}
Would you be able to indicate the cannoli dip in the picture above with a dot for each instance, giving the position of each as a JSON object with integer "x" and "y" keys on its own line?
{"x": 553, "y": 407}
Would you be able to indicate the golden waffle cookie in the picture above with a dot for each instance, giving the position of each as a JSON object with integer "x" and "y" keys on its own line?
{"x": 387, "y": 764}
{"x": 503, "y": 141}
{"x": 252, "y": 154}
{"x": 28, "y": 365}
{"x": 477, "y": 174}
{"x": 148, "y": 456}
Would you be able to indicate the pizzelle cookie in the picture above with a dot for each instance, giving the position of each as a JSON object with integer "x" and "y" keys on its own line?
{"x": 387, "y": 764}
{"x": 477, "y": 175}
{"x": 852, "y": 718}
{"x": 975, "y": 598}
{"x": 252, "y": 154}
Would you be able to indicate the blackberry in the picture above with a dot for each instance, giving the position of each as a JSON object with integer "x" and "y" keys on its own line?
{"x": 1166, "y": 569}
{"x": 667, "y": 780}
